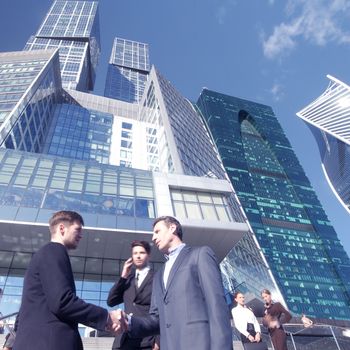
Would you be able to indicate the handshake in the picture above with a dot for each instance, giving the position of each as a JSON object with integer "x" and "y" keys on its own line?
{"x": 117, "y": 322}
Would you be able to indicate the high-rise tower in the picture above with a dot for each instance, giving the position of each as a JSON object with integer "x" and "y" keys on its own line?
{"x": 119, "y": 164}
{"x": 73, "y": 27}
{"x": 301, "y": 247}
{"x": 127, "y": 70}
{"x": 328, "y": 117}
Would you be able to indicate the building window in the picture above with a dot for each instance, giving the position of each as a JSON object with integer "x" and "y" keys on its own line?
{"x": 200, "y": 205}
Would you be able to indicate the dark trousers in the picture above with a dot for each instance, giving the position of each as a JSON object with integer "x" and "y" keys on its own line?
{"x": 133, "y": 344}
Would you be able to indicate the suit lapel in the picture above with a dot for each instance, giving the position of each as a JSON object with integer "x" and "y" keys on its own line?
{"x": 179, "y": 260}
{"x": 161, "y": 278}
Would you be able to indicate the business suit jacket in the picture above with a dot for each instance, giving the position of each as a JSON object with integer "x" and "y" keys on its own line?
{"x": 190, "y": 311}
{"x": 136, "y": 301}
{"x": 50, "y": 310}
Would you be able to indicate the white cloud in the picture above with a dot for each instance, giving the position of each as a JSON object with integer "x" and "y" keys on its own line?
{"x": 316, "y": 21}
{"x": 223, "y": 10}
{"x": 277, "y": 91}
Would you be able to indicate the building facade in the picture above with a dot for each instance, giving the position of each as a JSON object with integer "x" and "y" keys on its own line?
{"x": 328, "y": 118}
{"x": 66, "y": 149}
{"x": 31, "y": 87}
{"x": 222, "y": 166}
{"x": 73, "y": 27}
{"x": 301, "y": 247}
{"x": 128, "y": 70}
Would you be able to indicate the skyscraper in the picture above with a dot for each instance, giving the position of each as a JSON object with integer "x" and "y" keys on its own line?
{"x": 68, "y": 149}
{"x": 123, "y": 161}
{"x": 328, "y": 117}
{"x": 31, "y": 87}
{"x": 127, "y": 70}
{"x": 301, "y": 247}
{"x": 73, "y": 27}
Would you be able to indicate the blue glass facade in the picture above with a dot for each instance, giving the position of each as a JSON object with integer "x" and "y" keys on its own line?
{"x": 33, "y": 186}
{"x": 127, "y": 71}
{"x": 79, "y": 133}
{"x": 306, "y": 258}
{"x": 28, "y": 112}
{"x": 73, "y": 27}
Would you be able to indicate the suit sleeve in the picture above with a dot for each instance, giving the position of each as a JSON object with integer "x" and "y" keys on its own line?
{"x": 212, "y": 289}
{"x": 57, "y": 282}
{"x": 116, "y": 294}
{"x": 147, "y": 325}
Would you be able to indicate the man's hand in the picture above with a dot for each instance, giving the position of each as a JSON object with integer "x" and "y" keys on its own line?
{"x": 127, "y": 268}
{"x": 117, "y": 322}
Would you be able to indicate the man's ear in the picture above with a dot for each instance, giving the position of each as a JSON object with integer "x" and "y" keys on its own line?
{"x": 173, "y": 228}
{"x": 61, "y": 228}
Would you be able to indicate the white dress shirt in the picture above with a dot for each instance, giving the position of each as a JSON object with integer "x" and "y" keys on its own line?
{"x": 241, "y": 316}
{"x": 171, "y": 258}
{"x": 140, "y": 275}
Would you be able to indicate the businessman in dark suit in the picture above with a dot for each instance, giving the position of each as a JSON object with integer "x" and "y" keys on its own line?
{"x": 134, "y": 289}
{"x": 50, "y": 310}
{"x": 188, "y": 305}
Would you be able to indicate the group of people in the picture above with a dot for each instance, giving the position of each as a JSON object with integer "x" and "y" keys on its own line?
{"x": 183, "y": 302}
{"x": 247, "y": 324}
{"x": 181, "y": 306}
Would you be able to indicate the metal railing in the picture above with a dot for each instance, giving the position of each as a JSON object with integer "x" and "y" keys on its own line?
{"x": 315, "y": 337}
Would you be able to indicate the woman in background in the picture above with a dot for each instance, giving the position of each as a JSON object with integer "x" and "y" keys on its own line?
{"x": 275, "y": 316}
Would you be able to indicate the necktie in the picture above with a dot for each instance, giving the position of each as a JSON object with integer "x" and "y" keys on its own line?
{"x": 137, "y": 280}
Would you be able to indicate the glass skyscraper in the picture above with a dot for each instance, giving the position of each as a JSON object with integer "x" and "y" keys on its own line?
{"x": 222, "y": 166}
{"x": 301, "y": 247}
{"x": 328, "y": 117}
{"x": 30, "y": 87}
{"x": 119, "y": 163}
{"x": 127, "y": 70}
{"x": 73, "y": 27}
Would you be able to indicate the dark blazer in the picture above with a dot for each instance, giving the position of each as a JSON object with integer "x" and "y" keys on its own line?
{"x": 50, "y": 310}
{"x": 191, "y": 312}
{"x": 136, "y": 301}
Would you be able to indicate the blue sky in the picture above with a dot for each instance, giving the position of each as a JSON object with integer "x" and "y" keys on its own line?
{"x": 273, "y": 52}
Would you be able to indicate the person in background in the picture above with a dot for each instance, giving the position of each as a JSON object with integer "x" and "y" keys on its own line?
{"x": 134, "y": 289}
{"x": 275, "y": 316}
{"x": 245, "y": 321}
{"x": 11, "y": 336}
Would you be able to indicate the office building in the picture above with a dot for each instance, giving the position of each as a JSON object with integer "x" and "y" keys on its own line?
{"x": 30, "y": 87}
{"x": 122, "y": 160}
{"x": 73, "y": 27}
{"x": 68, "y": 149}
{"x": 127, "y": 70}
{"x": 300, "y": 245}
{"x": 328, "y": 117}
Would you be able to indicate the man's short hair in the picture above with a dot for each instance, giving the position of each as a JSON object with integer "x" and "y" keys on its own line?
{"x": 142, "y": 244}
{"x": 169, "y": 220}
{"x": 64, "y": 216}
